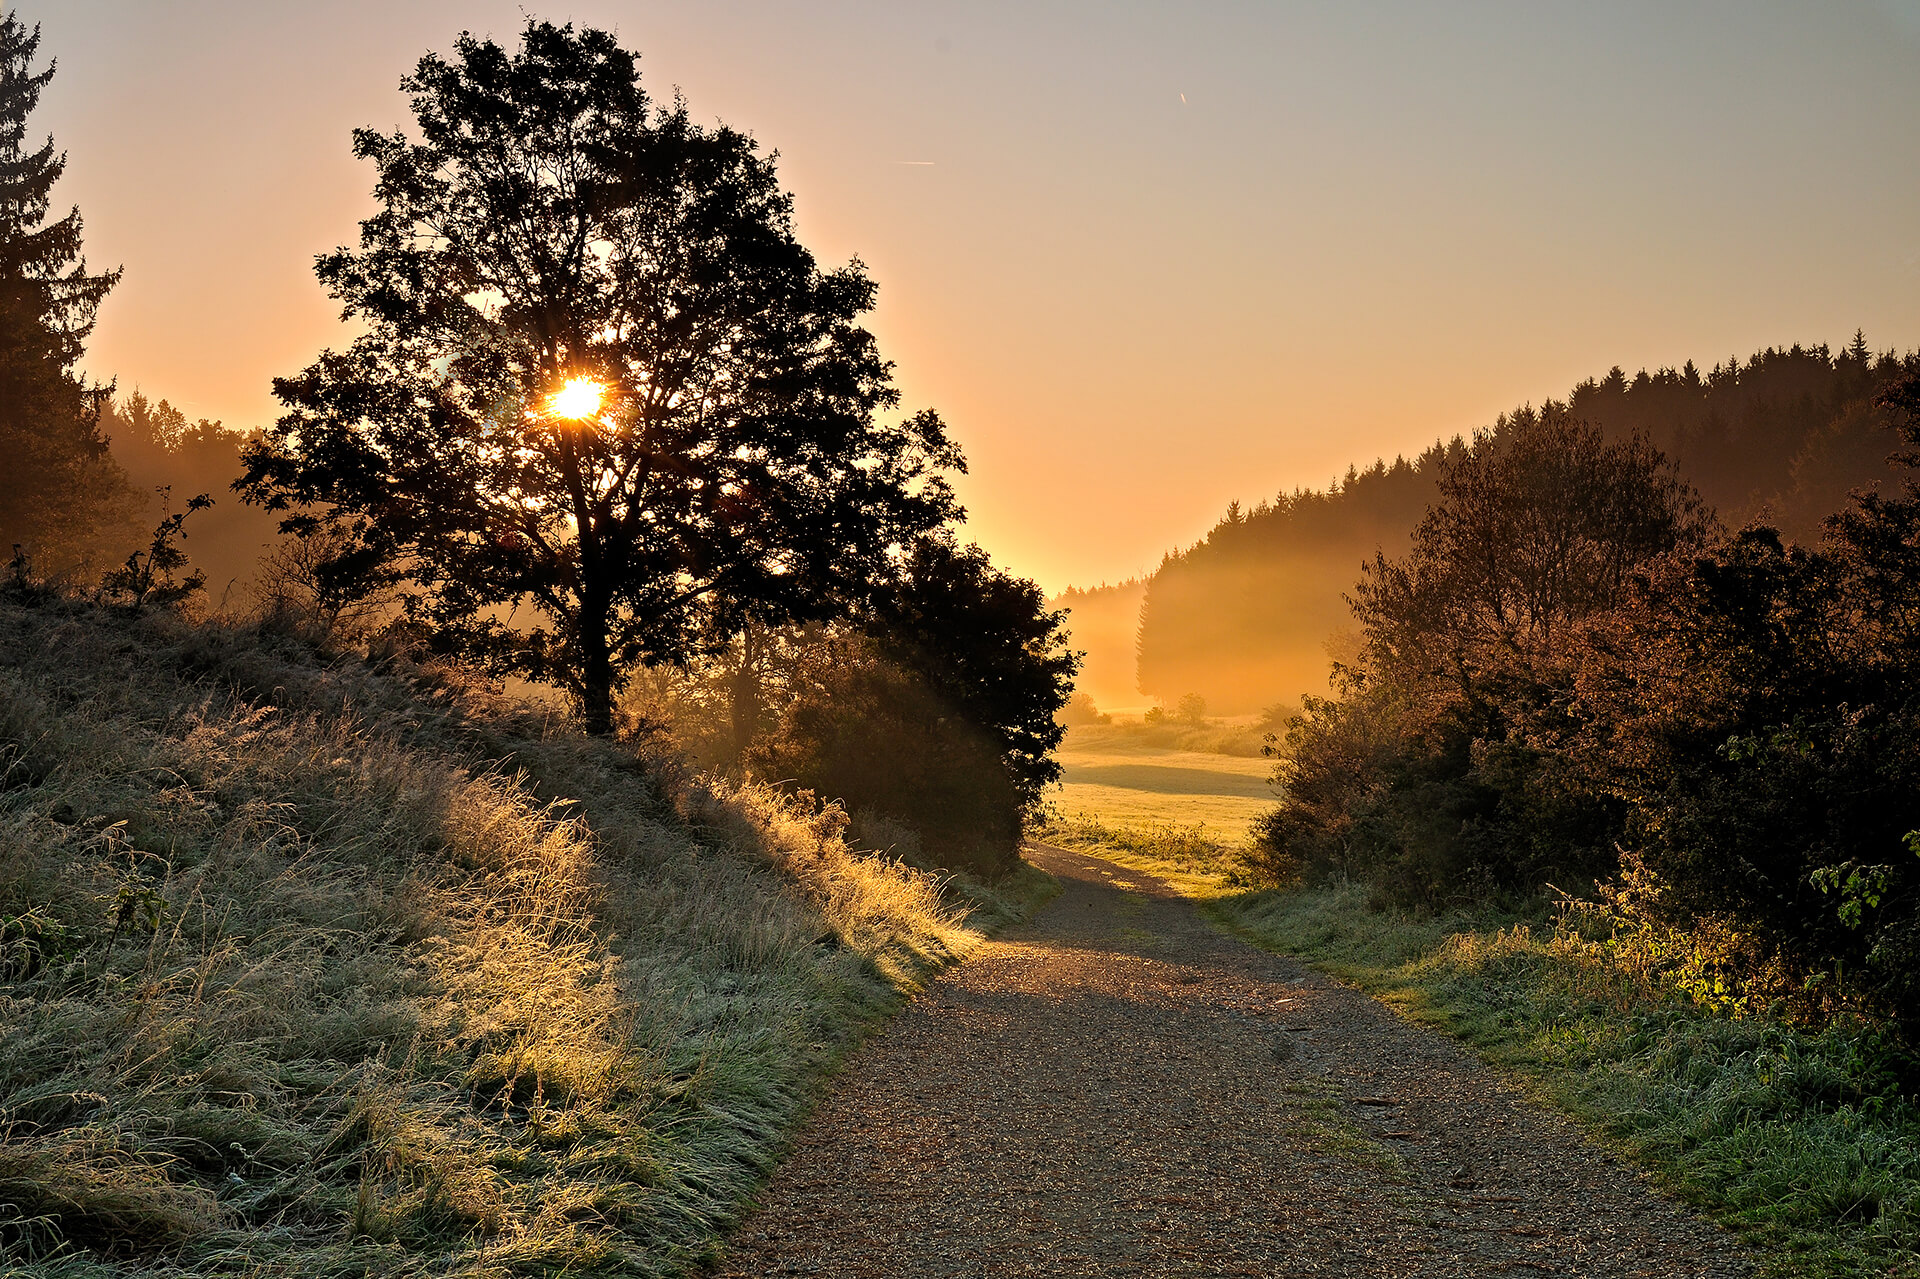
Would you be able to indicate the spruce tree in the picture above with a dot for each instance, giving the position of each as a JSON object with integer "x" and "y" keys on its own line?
{"x": 61, "y": 486}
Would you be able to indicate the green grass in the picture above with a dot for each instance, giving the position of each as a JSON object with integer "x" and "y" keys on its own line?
{"x": 313, "y": 965}
{"x": 1800, "y": 1139}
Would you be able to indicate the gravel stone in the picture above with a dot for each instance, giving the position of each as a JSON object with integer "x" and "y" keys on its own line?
{"x": 1118, "y": 1088}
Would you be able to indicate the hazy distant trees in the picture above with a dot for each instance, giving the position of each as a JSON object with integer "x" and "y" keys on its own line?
{"x": 1242, "y": 615}
{"x": 62, "y": 488}
{"x": 553, "y": 226}
{"x": 162, "y": 451}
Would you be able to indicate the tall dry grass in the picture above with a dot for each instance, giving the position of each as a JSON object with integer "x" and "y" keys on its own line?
{"x": 322, "y": 966}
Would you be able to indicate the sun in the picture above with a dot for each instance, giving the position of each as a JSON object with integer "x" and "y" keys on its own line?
{"x": 580, "y": 398}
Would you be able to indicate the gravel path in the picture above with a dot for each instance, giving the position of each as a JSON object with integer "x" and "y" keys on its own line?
{"x": 1117, "y": 1088}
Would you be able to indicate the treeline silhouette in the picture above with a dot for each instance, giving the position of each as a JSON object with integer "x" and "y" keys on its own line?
{"x": 167, "y": 460}
{"x": 1246, "y": 616}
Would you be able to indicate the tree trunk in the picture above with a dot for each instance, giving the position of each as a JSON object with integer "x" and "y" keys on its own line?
{"x": 596, "y": 675}
{"x": 746, "y": 709}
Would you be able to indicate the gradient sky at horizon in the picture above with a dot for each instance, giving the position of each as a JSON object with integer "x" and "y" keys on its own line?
{"x": 1366, "y": 226}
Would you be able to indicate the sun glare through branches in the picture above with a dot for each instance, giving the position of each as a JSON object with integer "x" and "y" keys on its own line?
{"x": 579, "y": 399}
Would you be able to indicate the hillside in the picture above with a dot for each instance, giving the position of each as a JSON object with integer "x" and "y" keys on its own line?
{"x": 321, "y": 965}
{"x": 1249, "y": 615}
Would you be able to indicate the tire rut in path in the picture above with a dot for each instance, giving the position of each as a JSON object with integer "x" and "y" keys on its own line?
{"x": 1118, "y": 1088}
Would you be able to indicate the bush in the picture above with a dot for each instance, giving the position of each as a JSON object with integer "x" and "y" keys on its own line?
{"x": 1081, "y": 711}
{"x": 1740, "y": 718}
{"x": 1432, "y": 807}
{"x": 880, "y": 740}
{"x": 1441, "y": 775}
{"x": 1766, "y": 732}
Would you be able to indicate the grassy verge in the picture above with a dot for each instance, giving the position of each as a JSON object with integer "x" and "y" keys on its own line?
{"x": 319, "y": 966}
{"x": 991, "y": 907}
{"x": 1800, "y": 1139}
{"x": 1797, "y": 1138}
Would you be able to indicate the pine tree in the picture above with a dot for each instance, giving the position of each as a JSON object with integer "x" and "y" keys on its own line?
{"x": 1857, "y": 350}
{"x": 61, "y": 486}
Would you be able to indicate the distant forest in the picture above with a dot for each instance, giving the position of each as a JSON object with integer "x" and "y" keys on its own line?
{"x": 1253, "y": 613}
{"x": 168, "y": 460}
{"x": 1105, "y": 620}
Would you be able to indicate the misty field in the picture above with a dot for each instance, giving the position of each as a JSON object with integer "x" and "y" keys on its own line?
{"x": 1127, "y": 779}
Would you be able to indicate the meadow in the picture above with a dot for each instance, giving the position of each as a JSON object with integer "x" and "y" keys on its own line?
{"x": 1131, "y": 774}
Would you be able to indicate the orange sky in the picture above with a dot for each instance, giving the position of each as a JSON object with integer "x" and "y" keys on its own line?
{"x": 1367, "y": 224}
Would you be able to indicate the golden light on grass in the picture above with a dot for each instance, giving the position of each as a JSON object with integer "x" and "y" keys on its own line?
{"x": 579, "y": 399}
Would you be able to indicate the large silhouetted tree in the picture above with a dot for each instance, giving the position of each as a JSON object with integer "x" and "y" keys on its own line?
{"x": 552, "y": 225}
{"x": 59, "y": 481}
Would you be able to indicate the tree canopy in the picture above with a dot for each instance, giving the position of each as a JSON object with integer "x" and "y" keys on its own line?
{"x": 728, "y": 448}
{"x": 1437, "y": 772}
{"x": 1535, "y": 526}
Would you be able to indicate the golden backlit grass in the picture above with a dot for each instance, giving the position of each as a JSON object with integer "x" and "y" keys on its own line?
{"x": 312, "y": 968}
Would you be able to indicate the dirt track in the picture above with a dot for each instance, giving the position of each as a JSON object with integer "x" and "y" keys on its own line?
{"x": 1117, "y": 1088}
